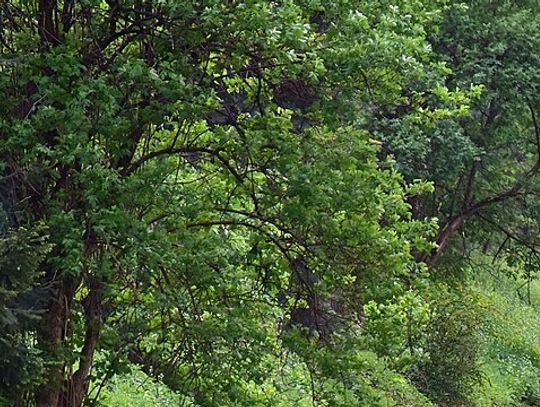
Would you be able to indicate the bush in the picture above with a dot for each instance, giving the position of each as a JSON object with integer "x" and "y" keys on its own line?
{"x": 452, "y": 371}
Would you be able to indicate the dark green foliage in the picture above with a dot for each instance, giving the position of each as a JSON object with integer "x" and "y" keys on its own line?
{"x": 452, "y": 371}
{"x": 21, "y": 304}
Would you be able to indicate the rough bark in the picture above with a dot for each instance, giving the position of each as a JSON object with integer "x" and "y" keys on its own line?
{"x": 52, "y": 336}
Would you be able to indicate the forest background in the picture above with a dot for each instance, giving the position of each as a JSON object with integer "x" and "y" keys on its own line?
{"x": 254, "y": 203}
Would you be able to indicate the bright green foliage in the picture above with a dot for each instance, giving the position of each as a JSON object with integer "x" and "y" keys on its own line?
{"x": 289, "y": 386}
{"x": 397, "y": 329}
{"x": 137, "y": 389}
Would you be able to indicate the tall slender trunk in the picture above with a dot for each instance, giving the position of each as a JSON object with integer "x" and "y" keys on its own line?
{"x": 76, "y": 388}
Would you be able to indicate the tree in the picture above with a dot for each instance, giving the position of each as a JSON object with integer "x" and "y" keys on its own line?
{"x": 484, "y": 165}
{"x": 206, "y": 177}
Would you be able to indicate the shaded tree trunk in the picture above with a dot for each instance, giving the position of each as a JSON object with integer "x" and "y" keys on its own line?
{"x": 70, "y": 391}
{"x": 445, "y": 236}
{"x": 48, "y": 29}
{"x": 52, "y": 336}
{"x": 76, "y": 389}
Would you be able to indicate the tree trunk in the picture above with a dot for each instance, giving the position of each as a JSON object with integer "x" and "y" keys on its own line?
{"x": 446, "y": 235}
{"x": 52, "y": 336}
{"x": 47, "y": 28}
{"x": 60, "y": 391}
{"x": 76, "y": 389}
